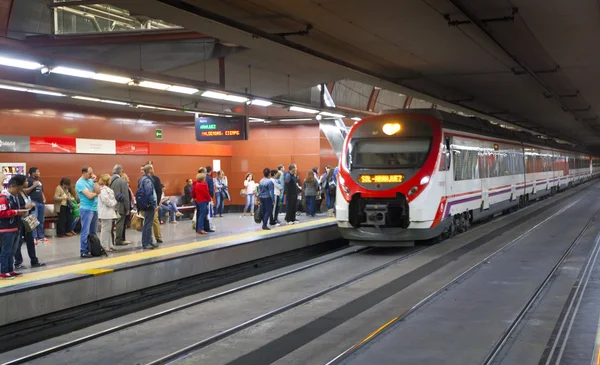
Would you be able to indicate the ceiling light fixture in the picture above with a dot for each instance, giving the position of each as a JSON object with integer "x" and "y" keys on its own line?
{"x": 296, "y": 120}
{"x": 13, "y": 88}
{"x": 303, "y": 110}
{"x": 114, "y": 102}
{"x": 145, "y": 106}
{"x": 12, "y": 62}
{"x": 44, "y": 92}
{"x": 73, "y": 72}
{"x": 256, "y": 120}
{"x": 154, "y": 85}
{"x": 221, "y": 96}
{"x": 112, "y": 78}
{"x": 260, "y": 102}
{"x": 182, "y": 89}
{"x": 86, "y": 98}
{"x": 357, "y": 119}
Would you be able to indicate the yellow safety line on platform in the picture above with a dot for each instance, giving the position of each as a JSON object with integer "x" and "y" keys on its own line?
{"x": 95, "y": 272}
{"x": 143, "y": 255}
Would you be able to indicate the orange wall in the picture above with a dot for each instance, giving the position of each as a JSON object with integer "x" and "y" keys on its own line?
{"x": 268, "y": 146}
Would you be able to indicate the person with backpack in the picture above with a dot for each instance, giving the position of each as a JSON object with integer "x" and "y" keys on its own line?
{"x": 88, "y": 191}
{"x": 10, "y": 219}
{"x": 329, "y": 184}
{"x": 121, "y": 190}
{"x": 146, "y": 201}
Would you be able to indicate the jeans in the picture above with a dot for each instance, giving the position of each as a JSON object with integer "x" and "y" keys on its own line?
{"x": 170, "y": 208}
{"x": 201, "y": 211}
{"x": 9, "y": 242}
{"x": 89, "y": 225}
{"x": 220, "y": 204}
{"x": 330, "y": 200}
{"x": 75, "y": 221}
{"x": 28, "y": 238}
{"x": 310, "y": 205}
{"x": 249, "y": 203}
{"x": 275, "y": 215}
{"x": 266, "y": 209}
{"x": 64, "y": 221}
{"x": 147, "y": 227}
{"x": 40, "y": 208}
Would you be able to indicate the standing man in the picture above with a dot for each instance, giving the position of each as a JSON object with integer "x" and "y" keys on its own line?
{"x": 88, "y": 191}
{"x": 291, "y": 194}
{"x": 282, "y": 183}
{"x": 147, "y": 201}
{"x": 187, "y": 192}
{"x": 36, "y": 194}
{"x": 121, "y": 190}
{"x": 158, "y": 192}
{"x": 318, "y": 198}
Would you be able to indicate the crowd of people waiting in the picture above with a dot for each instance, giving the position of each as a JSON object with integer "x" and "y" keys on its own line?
{"x": 110, "y": 199}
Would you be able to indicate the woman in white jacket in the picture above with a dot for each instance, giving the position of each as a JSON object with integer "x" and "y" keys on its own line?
{"x": 107, "y": 213}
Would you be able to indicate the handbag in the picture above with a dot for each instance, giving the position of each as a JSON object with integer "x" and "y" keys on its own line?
{"x": 137, "y": 222}
{"x": 243, "y": 192}
{"x": 30, "y": 222}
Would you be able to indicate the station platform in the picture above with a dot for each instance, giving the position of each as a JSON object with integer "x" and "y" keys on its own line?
{"x": 68, "y": 281}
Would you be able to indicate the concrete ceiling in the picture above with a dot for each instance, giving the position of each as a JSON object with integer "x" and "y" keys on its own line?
{"x": 535, "y": 65}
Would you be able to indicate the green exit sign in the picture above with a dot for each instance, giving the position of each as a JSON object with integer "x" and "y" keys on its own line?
{"x": 159, "y": 134}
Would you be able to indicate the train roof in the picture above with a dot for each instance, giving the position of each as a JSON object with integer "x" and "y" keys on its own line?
{"x": 484, "y": 127}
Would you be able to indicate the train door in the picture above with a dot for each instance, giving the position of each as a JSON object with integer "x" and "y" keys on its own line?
{"x": 486, "y": 161}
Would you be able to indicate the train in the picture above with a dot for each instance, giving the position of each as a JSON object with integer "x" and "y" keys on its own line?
{"x": 425, "y": 175}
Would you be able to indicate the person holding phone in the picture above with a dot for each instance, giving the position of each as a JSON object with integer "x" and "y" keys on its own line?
{"x": 88, "y": 190}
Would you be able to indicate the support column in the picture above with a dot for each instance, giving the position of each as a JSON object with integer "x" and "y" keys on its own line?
{"x": 407, "y": 102}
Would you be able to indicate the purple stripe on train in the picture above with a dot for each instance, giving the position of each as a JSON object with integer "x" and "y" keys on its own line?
{"x": 500, "y": 192}
{"x": 452, "y": 203}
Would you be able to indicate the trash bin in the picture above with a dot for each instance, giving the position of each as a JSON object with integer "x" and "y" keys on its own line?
{"x": 49, "y": 229}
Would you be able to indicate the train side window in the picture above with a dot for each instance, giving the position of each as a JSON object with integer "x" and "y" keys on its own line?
{"x": 445, "y": 158}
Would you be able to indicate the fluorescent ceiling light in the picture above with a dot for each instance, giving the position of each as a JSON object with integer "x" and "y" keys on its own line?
{"x": 112, "y": 78}
{"x": 260, "y": 102}
{"x": 44, "y": 92}
{"x": 168, "y": 109}
{"x": 303, "y": 110}
{"x": 210, "y": 114}
{"x": 85, "y": 98}
{"x": 114, "y": 102}
{"x": 221, "y": 96}
{"x": 14, "y": 88}
{"x": 183, "y": 89}
{"x": 143, "y": 121}
{"x": 19, "y": 63}
{"x": 145, "y": 106}
{"x": 256, "y": 120}
{"x": 357, "y": 119}
{"x": 295, "y": 120}
{"x": 154, "y": 85}
{"x": 333, "y": 115}
{"x": 73, "y": 72}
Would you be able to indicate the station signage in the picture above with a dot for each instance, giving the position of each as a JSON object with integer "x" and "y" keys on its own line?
{"x": 14, "y": 144}
{"x": 221, "y": 128}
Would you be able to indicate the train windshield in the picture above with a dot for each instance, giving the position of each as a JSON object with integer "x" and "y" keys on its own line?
{"x": 397, "y": 153}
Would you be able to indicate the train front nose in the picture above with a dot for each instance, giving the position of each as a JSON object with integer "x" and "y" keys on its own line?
{"x": 379, "y": 212}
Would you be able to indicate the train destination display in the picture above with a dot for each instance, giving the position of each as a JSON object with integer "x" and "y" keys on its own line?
{"x": 221, "y": 128}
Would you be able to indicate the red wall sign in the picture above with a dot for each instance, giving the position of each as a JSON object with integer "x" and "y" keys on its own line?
{"x": 52, "y": 145}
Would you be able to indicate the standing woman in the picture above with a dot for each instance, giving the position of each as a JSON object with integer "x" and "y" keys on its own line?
{"x": 62, "y": 206}
{"x": 107, "y": 213}
{"x": 329, "y": 183}
{"x": 25, "y": 235}
{"x": 250, "y": 193}
{"x": 221, "y": 192}
{"x": 311, "y": 189}
{"x": 202, "y": 197}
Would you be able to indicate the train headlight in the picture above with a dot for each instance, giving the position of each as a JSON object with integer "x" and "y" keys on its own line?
{"x": 425, "y": 180}
{"x": 413, "y": 190}
{"x": 391, "y": 128}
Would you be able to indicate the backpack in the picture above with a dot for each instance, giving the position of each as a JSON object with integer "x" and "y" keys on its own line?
{"x": 141, "y": 200}
{"x": 94, "y": 246}
{"x": 258, "y": 215}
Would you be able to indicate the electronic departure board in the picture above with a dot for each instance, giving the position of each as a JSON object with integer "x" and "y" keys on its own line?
{"x": 221, "y": 128}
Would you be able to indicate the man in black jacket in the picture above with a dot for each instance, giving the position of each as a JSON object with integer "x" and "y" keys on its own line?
{"x": 121, "y": 189}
